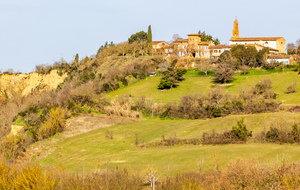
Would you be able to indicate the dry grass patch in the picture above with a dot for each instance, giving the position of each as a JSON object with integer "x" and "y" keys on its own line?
{"x": 74, "y": 126}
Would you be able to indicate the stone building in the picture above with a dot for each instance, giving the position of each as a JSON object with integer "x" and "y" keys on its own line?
{"x": 273, "y": 43}
{"x": 193, "y": 46}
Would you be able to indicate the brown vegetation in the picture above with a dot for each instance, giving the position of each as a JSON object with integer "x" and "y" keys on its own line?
{"x": 239, "y": 174}
{"x": 217, "y": 103}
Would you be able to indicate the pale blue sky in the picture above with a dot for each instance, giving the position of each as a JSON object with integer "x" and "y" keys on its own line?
{"x": 37, "y": 32}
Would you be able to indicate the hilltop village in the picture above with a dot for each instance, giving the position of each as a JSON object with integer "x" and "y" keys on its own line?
{"x": 143, "y": 114}
{"x": 194, "y": 47}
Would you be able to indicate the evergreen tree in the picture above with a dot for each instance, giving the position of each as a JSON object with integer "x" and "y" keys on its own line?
{"x": 76, "y": 58}
{"x": 206, "y": 37}
{"x": 149, "y": 35}
{"x": 171, "y": 78}
{"x": 139, "y": 36}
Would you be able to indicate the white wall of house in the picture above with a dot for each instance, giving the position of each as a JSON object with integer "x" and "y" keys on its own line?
{"x": 271, "y": 44}
{"x": 284, "y": 61}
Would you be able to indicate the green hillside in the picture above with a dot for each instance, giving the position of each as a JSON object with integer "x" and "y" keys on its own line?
{"x": 148, "y": 87}
{"x": 92, "y": 150}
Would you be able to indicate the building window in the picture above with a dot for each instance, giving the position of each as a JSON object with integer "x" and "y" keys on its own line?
{"x": 266, "y": 42}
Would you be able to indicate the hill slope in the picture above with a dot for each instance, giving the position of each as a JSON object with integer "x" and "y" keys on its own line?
{"x": 94, "y": 150}
{"x": 191, "y": 85}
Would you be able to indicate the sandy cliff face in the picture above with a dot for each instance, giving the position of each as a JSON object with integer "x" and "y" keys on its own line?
{"x": 27, "y": 82}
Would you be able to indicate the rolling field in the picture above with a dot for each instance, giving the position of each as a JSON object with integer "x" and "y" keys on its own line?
{"x": 191, "y": 85}
{"x": 92, "y": 150}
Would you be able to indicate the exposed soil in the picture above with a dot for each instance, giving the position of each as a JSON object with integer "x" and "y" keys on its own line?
{"x": 15, "y": 129}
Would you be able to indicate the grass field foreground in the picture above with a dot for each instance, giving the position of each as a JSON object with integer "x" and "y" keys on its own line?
{"x": 93, "y": 150}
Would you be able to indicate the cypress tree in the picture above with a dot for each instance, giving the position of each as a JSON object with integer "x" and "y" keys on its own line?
{"x": 149, "y": 35}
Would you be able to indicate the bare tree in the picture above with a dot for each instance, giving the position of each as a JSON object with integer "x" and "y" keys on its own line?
{"x": 176, "y": 37}
{"x": 297, "y": 46}
{"x": 224, "y": 72}
{"x": 244, "y": 68}
{"x": 162, "y": 67}
{"x": 205, "y": 65}
{"x": 291, "y": 48}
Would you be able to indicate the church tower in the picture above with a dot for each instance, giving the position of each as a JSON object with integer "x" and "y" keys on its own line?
{"x": 235, "y": 33}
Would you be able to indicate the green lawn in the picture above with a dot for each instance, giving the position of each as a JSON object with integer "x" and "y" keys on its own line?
{"x": 92, "y": 150}
{"x": 191, "y": 85}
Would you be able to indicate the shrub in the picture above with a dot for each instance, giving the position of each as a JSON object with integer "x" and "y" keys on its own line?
{"x": 173, "y": 140}
{"x": 140, "y": 103}
{"x": 109, "y": 135}
{"x": 240, "y": 133}
{"x": 292, "y": 88}
{"x": 217, "y": 138}
{"x": 54, "y": 123}
{"x": 262, "y": 86}
{"x": 13, "y": 146}
{"x": 273, "y": 134}
{"x": 217, "y": 112}
{"x": 122, "y": 107}
{"x": 281, "y": 135}
{"x": 295, "y": 133}
{"x": 271, "y": 65}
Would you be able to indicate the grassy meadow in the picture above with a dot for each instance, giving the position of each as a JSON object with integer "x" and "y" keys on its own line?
{"x": 93, "y": 150}
{"x": 194, "y": 83}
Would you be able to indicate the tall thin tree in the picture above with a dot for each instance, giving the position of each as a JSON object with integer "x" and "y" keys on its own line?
{"x": 149, "y": 35}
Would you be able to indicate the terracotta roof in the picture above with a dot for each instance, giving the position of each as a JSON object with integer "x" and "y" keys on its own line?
{"x": 253, "y": 45}
{"x": 221, "y": 46}
{"x": 182, "y": 40}
{"x": 255, "y": 39}
{"x": 262, "y": 46}
{"x": 205, "y": 43}
{"x": 157, "y": 42}
{"x": 194, "y": 34}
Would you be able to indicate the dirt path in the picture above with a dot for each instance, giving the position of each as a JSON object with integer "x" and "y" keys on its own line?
{"x": 74, "y": 126}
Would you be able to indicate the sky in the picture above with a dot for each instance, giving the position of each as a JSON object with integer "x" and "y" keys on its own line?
{"x": 35, "y": 32}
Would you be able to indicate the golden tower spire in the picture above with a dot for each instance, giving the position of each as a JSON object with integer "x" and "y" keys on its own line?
{"x": 235, "y": 33}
